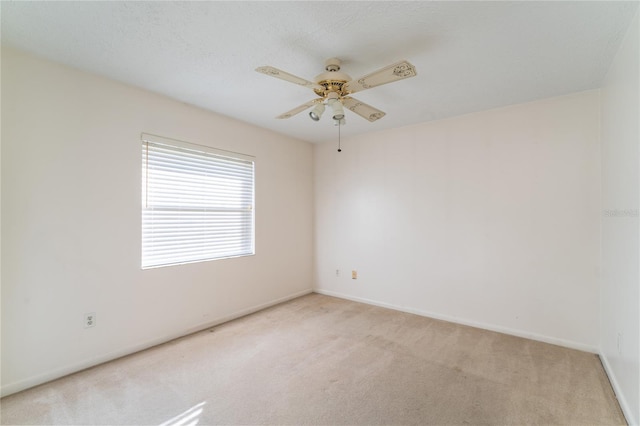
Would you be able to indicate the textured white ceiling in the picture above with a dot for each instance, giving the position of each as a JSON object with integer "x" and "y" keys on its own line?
{"x": 470, "y": 56}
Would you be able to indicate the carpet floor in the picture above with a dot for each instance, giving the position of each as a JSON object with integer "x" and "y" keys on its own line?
{"x": 326, "y": 361}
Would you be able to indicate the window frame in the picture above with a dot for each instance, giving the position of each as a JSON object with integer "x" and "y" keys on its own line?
{"x": 220, "y": 159}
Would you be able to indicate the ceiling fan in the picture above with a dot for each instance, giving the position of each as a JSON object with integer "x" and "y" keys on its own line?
{"x": 335, "y": 87}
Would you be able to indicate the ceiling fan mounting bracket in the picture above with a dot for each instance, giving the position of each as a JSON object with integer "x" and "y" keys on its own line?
{"x": 332, "y": 64}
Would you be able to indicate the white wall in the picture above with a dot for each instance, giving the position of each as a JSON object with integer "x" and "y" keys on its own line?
{"x": 620, "y": 321}
{"x": 71, "y": 164}
{"x": 490, "y": 219}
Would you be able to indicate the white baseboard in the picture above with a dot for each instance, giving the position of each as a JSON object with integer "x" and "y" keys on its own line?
{"x": 65, "y": 371}
{"x": 624, "y": 405}
{"x": 505, "y": 330}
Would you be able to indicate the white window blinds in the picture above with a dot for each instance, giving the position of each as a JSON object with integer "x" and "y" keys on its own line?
{"x": 197, "y": 204}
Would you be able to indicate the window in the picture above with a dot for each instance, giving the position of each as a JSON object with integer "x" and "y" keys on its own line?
{"x": 197, "y": 203}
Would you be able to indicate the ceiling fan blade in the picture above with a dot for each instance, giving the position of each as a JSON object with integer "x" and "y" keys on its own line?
{"x": 394, "y": 72}
{"x": 363, "y": 110}
{"x": 274, "y": 72}
{"x": 300, "y": 108}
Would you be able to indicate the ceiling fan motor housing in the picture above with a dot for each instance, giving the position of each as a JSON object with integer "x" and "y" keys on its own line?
{"x": 332, "y": 81}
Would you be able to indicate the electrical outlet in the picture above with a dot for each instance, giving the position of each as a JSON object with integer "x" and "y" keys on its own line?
{"x": 337, "y": 272}
{"x": 354, "y": 275}
{"x": 89, "y": 320}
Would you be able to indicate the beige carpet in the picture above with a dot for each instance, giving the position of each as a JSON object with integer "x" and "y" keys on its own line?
{"x": 322, "y": 360}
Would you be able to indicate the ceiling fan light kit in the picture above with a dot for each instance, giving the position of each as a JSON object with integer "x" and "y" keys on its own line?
{"x": 334, "y": 88}
{"x": 338, "y": 111}
{"x": 317, "y": 112}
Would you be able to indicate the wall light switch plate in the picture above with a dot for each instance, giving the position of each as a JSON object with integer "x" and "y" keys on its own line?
{"x": 619, "y": 343}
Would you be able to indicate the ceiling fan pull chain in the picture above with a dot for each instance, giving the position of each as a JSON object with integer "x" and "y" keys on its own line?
{"x": 339, "y": 125}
